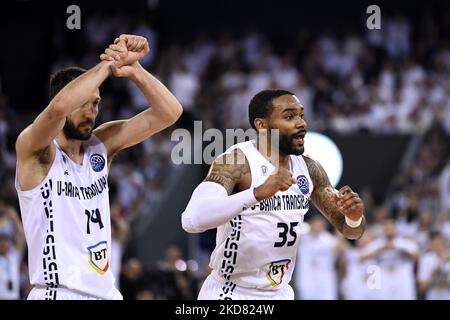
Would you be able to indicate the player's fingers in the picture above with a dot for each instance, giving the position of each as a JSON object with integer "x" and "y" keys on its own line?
{"x": 117, "y": 48}
{"x": 348, "y": 196}
{"x": 287, "y": 180}
{"x": 284, "y": 186}
{"x": 146, "y": 46}
{"x": 124, "y": 37}
{"x": 112, "y": 53}
{"x": 344, "y": 190}
{"x": 352, "y": 208}
{"x": 132, "y": 43}
{"x": 106, "y": 57}
{"x": 350, "y": 202}
{"x": 139, "y": 44}
{"x": 285, "y": 172}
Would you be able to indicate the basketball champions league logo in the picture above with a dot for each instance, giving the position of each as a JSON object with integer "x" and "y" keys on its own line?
{"x": 97, "y": 162}
{"x": 303, "y": 184}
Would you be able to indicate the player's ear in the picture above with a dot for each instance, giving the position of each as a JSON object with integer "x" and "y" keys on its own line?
{"x": 260, "y": 123}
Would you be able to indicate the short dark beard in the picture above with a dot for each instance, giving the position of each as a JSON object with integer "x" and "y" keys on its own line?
{"x": 72, "y": 133}
{"x": 286, "y": 146}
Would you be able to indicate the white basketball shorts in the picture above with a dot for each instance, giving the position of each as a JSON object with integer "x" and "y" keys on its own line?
{"x": 218, "y": 289}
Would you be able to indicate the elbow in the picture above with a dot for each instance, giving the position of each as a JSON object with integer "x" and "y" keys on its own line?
{"x": 189, "y": 224}
{"x": 177, "y": 112}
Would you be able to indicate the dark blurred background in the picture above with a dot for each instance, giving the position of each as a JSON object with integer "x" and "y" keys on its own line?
{"x": 383, "y": 96}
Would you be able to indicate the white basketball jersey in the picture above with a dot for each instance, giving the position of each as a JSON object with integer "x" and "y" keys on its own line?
{"x": 257, "y": 249}
{"x": 67, "y": 225}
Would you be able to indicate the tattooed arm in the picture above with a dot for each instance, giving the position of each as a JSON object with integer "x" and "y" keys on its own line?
{"x": 336, "y": 205}
{"x": 230, "y": 170}
{"x": 213, "y": 202}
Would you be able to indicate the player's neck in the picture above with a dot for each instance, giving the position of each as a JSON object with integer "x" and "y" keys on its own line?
{"x": 72, "y": 147}
{"x": 273, "y": 156}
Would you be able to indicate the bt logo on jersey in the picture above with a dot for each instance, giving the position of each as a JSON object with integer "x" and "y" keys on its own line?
{"x": 277, "y": 269}
{"x": 98, "y": 257}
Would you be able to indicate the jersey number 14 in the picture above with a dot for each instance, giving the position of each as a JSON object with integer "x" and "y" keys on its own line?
{"x": 93, "y": 216}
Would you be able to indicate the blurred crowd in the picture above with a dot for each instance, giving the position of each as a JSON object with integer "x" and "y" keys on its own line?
{"x": 390, "y": 81}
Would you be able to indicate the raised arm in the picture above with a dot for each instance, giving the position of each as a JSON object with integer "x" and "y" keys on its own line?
{"x": 49, "y": 123}
{"x": 336, "y": 205}
{"x": 164, "y": 108}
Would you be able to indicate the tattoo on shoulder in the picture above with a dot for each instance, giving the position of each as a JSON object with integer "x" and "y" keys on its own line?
{"x": 228, "y": 169}
{"x": 317, "y": 173}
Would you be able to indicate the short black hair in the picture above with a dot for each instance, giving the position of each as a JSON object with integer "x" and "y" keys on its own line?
{"x": 61, "y": 78}
{"x": 261, "y": 104}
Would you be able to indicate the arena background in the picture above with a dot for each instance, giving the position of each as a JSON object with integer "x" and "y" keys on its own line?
{"x": 383, "y": 96}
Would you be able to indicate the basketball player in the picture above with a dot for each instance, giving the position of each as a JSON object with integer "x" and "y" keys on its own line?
{"x": 257, "y": 205}
{"x": 62, "y": 171}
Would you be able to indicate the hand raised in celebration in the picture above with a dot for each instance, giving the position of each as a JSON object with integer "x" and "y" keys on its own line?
{"x": 126, "y": 51}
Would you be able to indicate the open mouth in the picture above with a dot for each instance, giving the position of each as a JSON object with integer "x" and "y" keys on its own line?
{"x": 86, "y": 125}
{"x": 299, "y": 137}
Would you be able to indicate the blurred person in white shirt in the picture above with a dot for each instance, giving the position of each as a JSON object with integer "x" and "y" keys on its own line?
{"x": 316, "y": 273}
{"x": 11, "y": 251}
{"x": 434, "y": 270}
{"x": 355, "y": 282}
{"x": 119, "y": 236}
{"x": 395, "y": 256}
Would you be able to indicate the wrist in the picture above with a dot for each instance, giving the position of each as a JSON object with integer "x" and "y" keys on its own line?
{"x": 256, "y": 194}
{"x": 136, "y": 72}
{"x": 353, "y": 223}
{"x": 249, "y": 199}
{"x": 106, "y": 66}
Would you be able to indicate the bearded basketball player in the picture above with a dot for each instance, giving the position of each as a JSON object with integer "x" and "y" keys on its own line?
{"x": 257, "y": 205}
{"x": 62, "y": 173}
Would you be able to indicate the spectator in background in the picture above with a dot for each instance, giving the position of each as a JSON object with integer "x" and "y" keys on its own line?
{"x": 396, "y": 256}
{"x": 119, "y": 237}
{"x": 355, "y": 282}
{"x": 176, "y": 280}
{"x": 434, "y": 270}
{"x": 388, "y": 74}
{"x": 444, "y": 187}
{"x": 133, "y": 278}
{"x": 316, "y": 273}
{"x": 12, "y": 244}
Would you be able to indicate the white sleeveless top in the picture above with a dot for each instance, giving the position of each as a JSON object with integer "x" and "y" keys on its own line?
{"x": 66, "y": 220}
{"x": 257, "y": 249}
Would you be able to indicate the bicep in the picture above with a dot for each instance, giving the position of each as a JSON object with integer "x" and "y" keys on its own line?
{"x": 228, "y": 169}
{"x": 39, "y": 135}
{"x": 121, "y": 134}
